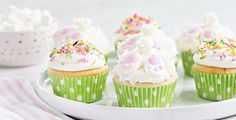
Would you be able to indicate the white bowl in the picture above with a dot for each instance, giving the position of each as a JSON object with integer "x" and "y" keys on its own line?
{"x": 25, "y": 48}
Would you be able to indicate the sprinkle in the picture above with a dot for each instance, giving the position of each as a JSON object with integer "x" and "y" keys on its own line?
{"x": 234, "y": 58}
{"x": 52, "y": 59}
{"x": 94, "y": 61}
{"x": 83, "y": 60}
{"x": 79, "y": 47}
{"x": 133, "y": 24}
{"x": 75, "y": 43}
{"x": 226, "y": 46}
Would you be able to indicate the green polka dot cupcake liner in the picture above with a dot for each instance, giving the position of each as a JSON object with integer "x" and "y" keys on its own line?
{"x": 107, "y": 57}
{"x": 215, "y": 87}
{"x": 136, "y": 97}
{"x": 187, "y": 59}
{"x": 83, "y": 89}
{"x": 176, "y": 62}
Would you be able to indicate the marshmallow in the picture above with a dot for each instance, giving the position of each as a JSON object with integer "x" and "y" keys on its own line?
{"x": 25, "y": 19}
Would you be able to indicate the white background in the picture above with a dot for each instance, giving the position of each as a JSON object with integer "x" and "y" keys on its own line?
{"x": 172, "y": 15}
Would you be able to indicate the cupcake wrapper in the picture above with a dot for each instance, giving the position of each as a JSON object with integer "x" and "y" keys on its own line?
{"x": 134, "y": 97}
{"x": 215, "y": 87}
{"x": 176, "y": 62}
{"x": 187, "y": 59}
{"x": 84, "y": 89}
{"x": 106, "y": 57}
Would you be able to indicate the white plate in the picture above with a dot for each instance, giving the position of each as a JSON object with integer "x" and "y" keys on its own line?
{"x": 187, "y": 105}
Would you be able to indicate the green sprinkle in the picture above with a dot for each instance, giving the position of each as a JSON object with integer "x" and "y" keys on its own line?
{"x": 51, "y": 55}
{"x": 202, "y": 57}
{"x": 62, "y": 63}
{"x": 213, "y": 42}
{"x": 233, "y": 45}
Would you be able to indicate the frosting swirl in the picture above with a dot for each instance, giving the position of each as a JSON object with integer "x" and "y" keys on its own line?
{"x": 76, "y": 56}
{"x": 217, "y": 53}
{"x": 210, "y": 29}
{"x": 83, "y": 28}
{"x": 133, "y": 24}
{"x": 143, "y": 59}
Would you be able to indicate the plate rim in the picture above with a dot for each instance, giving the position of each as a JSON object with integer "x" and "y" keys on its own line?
{"x": 39, "y": 88}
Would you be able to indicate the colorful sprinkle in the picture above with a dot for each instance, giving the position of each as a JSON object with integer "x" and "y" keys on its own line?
{"x": 219, "y": 47}
{"x": 79, "y": 47}
{"x": 133, "y": 24}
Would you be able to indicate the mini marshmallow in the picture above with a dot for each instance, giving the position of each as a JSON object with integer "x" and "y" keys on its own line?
{"x": 25, "y": 19}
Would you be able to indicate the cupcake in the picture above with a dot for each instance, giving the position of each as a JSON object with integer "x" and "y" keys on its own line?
{"x": 208, "y": 30}
{"x": 214, "y": 69}
{"x": 144, "y": 76}
{"x": 149, "y": 31}
{"x": 89, "y": 33}
{"x": 131, "y": 26}
{"x": 78, "y": 71}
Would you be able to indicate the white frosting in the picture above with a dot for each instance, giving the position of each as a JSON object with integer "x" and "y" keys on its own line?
{"x": 70, "y": 57}
{"x": 144, "y": 59}
{"x": 88, "y": 32}
{"x": 147, "y": 39}
{"x": 214, "y": 61}
{"x": 221, "y": 57}
{"x": 25, "y": 19}
{"x": 72, "y": 64}
{"x": 211, "y": 28}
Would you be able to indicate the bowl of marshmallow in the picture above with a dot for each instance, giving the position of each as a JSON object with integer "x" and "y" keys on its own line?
{"x": 25, "y": 36}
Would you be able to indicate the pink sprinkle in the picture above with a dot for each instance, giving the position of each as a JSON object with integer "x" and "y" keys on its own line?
{"x": 208, "y": 34}
{"x": 131, "y": 32}
{"x": 63, "y": 50}
{"x": 52, "y": 59}
{"x": 234, "y": 58}
{"x": 83, "y": 60}
{"x": 79, "y": 48}
{"x": 75, "y": 36}
{"x": 153, "y": 60}
{"x": 224, "y": 55}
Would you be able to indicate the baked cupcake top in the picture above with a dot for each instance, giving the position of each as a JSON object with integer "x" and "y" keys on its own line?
{"x": 217, "y": 53}
{"x": 77, "y": 56}
{"x": 133, "y": 24}
{"x": 148, "y": 39}
{"x": 82, "y": 27}
{"x": 208, "y": 30}
{"x": 144, "y": 61}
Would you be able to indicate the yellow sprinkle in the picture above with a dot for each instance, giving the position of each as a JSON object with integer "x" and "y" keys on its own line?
{"x": 93, "y": 62}
{"x": 232, "y": 48}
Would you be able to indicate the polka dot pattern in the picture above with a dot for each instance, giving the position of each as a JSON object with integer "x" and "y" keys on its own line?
{"x": 187, "y": 59}
{"x": 159, "y": 97}
{"x": 215, "y": 87}
{"x": 21, "y": 49}
{"x": 83, "y": 89}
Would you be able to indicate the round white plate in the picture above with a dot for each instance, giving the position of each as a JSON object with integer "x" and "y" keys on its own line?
{"x": 187, "y": 105}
